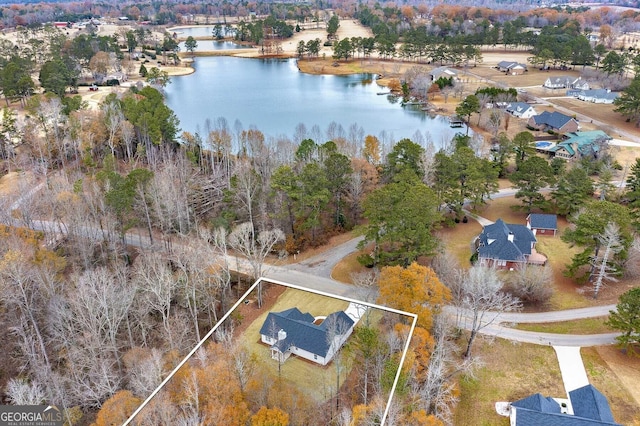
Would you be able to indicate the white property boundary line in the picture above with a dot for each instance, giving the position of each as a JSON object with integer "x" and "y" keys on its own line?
{"x": 322, "y": 293}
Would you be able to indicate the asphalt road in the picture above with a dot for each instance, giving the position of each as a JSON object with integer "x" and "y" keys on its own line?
{"x": 315, "y": 273}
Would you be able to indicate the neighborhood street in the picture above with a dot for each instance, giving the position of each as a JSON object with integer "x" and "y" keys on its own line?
{"x": 315, "y": 273}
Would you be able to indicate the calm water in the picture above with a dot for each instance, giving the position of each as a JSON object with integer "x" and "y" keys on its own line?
{"x": 199, "y": 31}
{"x": 274, "y": 97}
{"x": 208, "y": 45}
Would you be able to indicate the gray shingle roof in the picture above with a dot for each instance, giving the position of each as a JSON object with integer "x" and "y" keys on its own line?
{"x": 543, "y": 221}
{"x": 301, "y": 331}
{"x": 590, "y": 408}
{"x": 495, "y": 244}
{"x": 539, "y": 403}
{"x": 518, "y": 107}
{"x": 553, "y": 119}
{"x": 588, "y": 402}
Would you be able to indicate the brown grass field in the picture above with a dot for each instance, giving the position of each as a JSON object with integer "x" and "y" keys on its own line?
{"x": 314, "y": 380}
{"x": 505, "y": 377}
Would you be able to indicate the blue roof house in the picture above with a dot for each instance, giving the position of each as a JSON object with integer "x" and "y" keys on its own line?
{"x": 507, "y": 246}
{"x": 315, "y": 339}
{"x": 588, "y": 405}
{"x": 546, "y": 224}
{"x": 555, "y": 121}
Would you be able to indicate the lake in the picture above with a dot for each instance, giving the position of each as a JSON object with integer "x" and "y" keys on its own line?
{"x": 209, "y": 45}
{"x": 200, "y": 31}
{"x": 274, "y": 97}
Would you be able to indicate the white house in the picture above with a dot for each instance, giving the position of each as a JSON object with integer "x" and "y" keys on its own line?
{"x": 314, "y": 339}
{"x": 521, "y": 110}
{"x": 566, "y": 82}
{"x": 511, "y": 67}
{"x": 445, "y": 72}
{"x": 597, "y": 96}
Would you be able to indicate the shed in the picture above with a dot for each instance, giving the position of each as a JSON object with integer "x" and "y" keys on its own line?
{"x": 545, "y": 224}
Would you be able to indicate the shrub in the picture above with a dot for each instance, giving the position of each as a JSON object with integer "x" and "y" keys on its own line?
{"x": 531, "y": 283}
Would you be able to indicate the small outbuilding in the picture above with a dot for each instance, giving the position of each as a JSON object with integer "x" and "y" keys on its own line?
{"x": 543, "y": 224}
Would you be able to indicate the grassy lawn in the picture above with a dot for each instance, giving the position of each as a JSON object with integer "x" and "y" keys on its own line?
{"x": 505, "y": 377}
{"x": 624, "y": 407}
{"x": 348, "y": 265}
{"x": 313, "y": 379}
{"x": 582, "y": 326}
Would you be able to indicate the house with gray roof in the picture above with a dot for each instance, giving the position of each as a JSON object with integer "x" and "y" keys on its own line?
{"x": 506, "y": 246}
{"x": 521, "y": 110}
{"x": 597, "y": 96}
{"x": 554, "y": 121}
{"x": 566, "y": 82}
{"x": 444, "y": 72}
{"x": 586, "y": 407}
{"x": 316, "y": 339}
{"x": 512, "y": 67}
{"x": 546, "y": 224}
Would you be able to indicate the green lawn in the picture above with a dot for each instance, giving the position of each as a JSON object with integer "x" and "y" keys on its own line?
{"x": 582, "y": 326}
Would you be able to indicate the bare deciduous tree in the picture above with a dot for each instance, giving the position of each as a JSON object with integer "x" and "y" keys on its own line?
{"x": 484, "y": 300}
{"x": 24, "y": 392}
{"x": 255, "y": 249}
{"x": 610, "y": 240}
{"x": 532, "y": 283}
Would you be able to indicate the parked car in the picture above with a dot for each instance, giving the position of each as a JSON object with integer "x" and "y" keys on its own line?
{"x": 93, "y": 88}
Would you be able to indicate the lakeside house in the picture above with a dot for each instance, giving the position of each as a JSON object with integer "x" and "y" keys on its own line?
{"x": 506, "y": 246}
{"x": 566, "y": 82}
{"x": 586, "y": 406}
{"x": 511, "y": 67}
{"x": 554, "y": 121}
{"x": 314, "y": 339}
{"x": 580, "y": 144}
{"x": 443, "y": 72}
{"x": 521, "y": 110}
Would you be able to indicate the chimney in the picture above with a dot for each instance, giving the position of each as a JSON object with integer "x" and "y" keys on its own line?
{"x": 282, "y": 335}
{"x": 510, "y": 237}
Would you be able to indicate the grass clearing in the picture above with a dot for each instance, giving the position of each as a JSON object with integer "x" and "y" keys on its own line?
{"x": 348, "y": 265}
{"x": 623, "y": 405}
{"x": 582, "y": 326}
{"x": 458, "y": 240}
{"x": 316, "y": 381}
{"x": 505, "y": 377}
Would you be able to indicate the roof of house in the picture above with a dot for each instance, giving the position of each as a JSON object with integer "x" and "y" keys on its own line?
{"x": 518, "y": 107}
{"x": 554, "y": 119}
{"x": 539, "y": 403}
{"x": 566, "y": 80}
{"x": 599, "y": 94}
{"x": 543, "y": 221}
{"x": 495, "y": 244}
{"x": 510, "y": 64}
{"x": 584, "y": 142}
{"x": 436, "y": 72}
{"x": 590, "y": 408}
{"x": 588, "y": 402}
{"x": 301, "y": 331}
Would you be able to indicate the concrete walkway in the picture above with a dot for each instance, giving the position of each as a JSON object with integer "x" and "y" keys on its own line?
{"x": 572, "y": 368}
